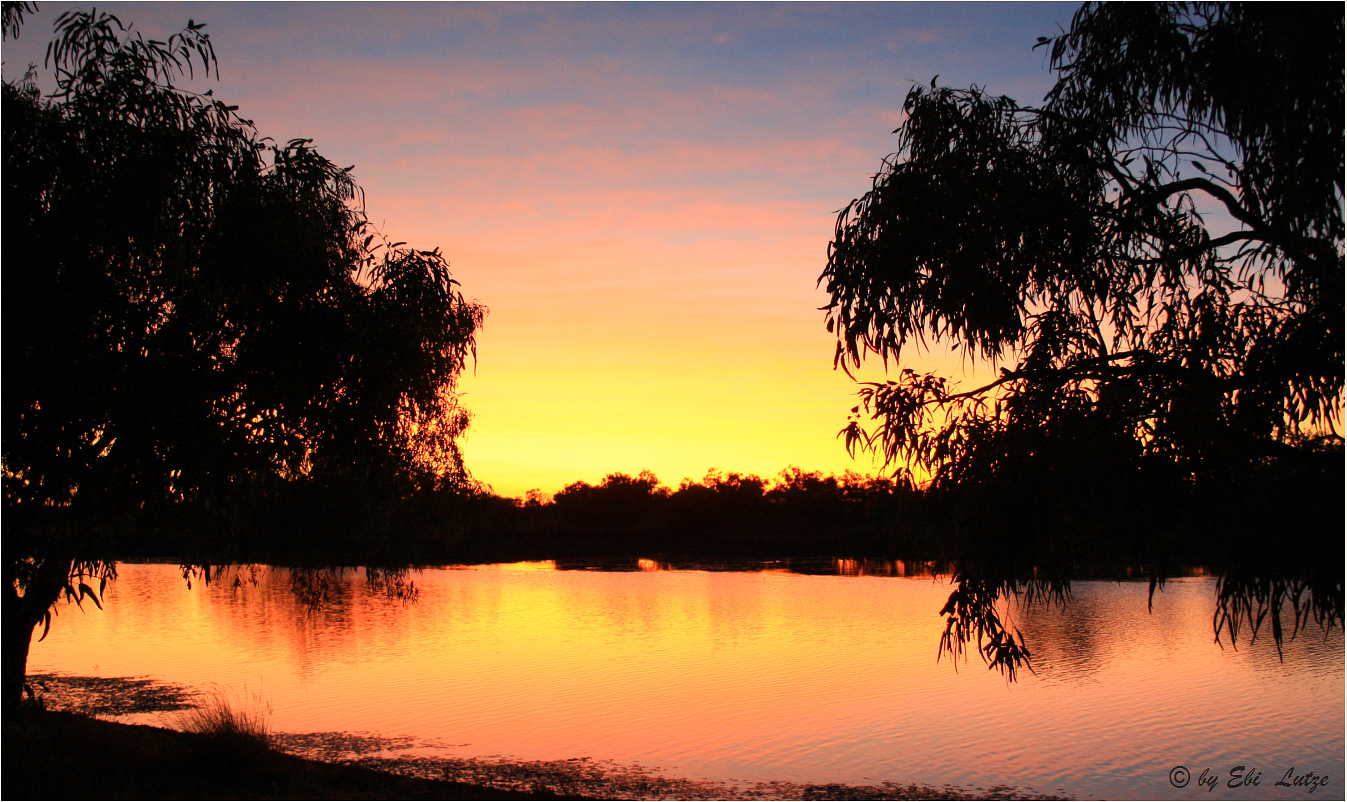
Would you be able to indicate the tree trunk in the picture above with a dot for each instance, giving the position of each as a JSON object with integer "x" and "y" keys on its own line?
{"x": 21, "y": 613}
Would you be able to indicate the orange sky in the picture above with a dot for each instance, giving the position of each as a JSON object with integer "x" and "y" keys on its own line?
{"x": 642, "y": 195}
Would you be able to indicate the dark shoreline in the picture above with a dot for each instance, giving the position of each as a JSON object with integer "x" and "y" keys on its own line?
{"x": 62, "y": 755}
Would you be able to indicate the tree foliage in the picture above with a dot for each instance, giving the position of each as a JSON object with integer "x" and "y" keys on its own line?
{"x": 196, "y": 313}
{"x": 1154, "y": 255}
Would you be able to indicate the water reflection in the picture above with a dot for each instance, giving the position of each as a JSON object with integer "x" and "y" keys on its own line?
{"x": 847, "y": 567}
{"x": 975, "y": 612}
{"x": 1067, "y": 637}
{"x": 761, "y": 676}
{"x": 815, "y": 566}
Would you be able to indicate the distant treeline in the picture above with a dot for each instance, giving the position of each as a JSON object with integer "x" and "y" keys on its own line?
{"x": 1287, "y": 514}
{"x": 723, "y": 515}
{"x": 798, "y": 513}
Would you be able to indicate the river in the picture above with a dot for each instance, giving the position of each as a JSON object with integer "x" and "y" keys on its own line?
{"x": 743, "y": 676}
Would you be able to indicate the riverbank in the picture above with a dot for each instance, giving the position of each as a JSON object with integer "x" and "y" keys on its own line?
{"x": 63, "y": 755}
{"x": 60, "y": 755}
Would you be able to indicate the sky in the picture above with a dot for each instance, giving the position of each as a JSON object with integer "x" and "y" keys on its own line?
{"x": 641, "y": 194}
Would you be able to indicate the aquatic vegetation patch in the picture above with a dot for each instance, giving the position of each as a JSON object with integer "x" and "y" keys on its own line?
{"x": 110, "y": 696}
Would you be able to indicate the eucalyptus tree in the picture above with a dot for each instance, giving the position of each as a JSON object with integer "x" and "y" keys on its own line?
{"x": 1152, "y": 258}
{"x": 195, "y": 315}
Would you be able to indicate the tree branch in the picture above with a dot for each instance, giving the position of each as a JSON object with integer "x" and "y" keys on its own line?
{"x": 1206, "y": 185}
{"x": 1074, "y": 368}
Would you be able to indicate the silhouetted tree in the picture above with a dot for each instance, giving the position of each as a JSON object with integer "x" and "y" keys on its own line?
{"x": 1156, "y": 251}
{"x": 194, "y": 315}
{"x": 1155, "y": 257}
{"x": 621, "y": 504}
{"x": 721, "y": 503}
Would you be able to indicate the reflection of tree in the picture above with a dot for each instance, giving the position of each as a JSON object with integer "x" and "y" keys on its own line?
{"x": 1064, "y": 635}
{"x": 317, "y": 613}
{"x": 315, "y": 588}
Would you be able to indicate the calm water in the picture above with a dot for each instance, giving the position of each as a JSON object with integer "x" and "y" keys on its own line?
{"x": 744, "y": 676}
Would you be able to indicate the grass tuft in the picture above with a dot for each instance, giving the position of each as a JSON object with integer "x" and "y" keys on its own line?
{"x": 218, "y": 717}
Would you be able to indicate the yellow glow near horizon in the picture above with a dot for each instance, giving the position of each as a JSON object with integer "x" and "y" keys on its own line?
{"x": 725, "y": 371}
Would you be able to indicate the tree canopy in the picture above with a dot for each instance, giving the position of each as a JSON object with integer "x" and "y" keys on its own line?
{"x": 1153, "y": 255}
{"x": 195, "y": 313}
{"x": 1153, "y": 260}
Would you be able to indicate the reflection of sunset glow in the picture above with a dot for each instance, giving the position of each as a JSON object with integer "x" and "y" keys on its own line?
{"x": 908, "y": 568}
{"x": 759, "y": 675}
{"x": 538, "y": 565}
